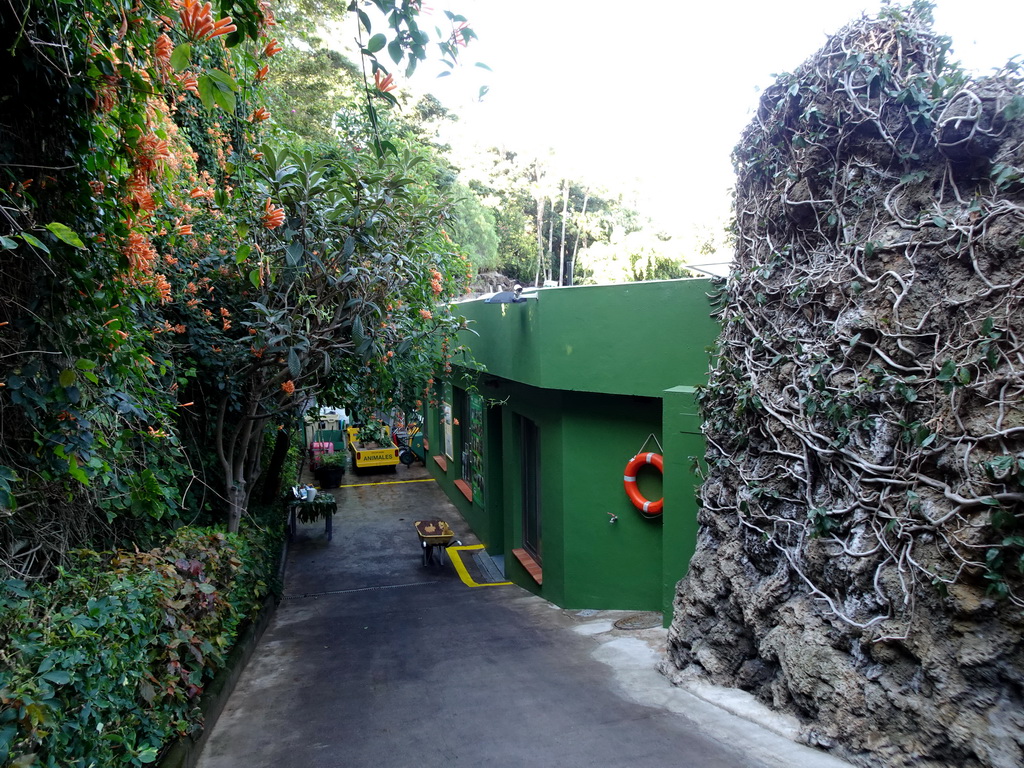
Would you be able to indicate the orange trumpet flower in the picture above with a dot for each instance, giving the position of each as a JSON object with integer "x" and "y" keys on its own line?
{"x": 272, "y": 215}
{"x": 199, "y": 24}
{"x": 384, "y": 84}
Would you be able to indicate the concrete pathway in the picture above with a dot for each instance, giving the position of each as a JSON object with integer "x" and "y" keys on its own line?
{"x": 374, "y": 660}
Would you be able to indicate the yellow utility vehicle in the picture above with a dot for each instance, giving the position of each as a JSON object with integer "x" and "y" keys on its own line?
{"x": 372, "y": 454}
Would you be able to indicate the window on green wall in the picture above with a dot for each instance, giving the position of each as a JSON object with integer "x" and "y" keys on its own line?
{"x": 447, "y": 419}
{"x": 476, "y": 447}
{"x": 461, "y": 408}
{"x": 529, "y": 442}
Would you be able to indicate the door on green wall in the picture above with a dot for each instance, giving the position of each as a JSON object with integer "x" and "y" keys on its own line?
{"x": 530, "y": 463}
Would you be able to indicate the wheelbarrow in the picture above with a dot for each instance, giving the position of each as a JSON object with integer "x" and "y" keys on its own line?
{"x": 435, "y": 536}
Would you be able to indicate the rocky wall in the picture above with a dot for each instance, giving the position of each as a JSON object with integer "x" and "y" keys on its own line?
{"x": 861, "y": 545}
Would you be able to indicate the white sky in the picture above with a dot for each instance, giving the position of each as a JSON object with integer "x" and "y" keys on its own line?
{"x": 653, "y": 95}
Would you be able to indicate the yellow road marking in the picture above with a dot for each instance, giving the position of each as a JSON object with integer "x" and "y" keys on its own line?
{"x": 460, "y": 568}
{"x": 390, "y": 482}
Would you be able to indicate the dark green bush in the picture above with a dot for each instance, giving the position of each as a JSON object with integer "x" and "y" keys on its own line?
{"x": 104, "y": 665}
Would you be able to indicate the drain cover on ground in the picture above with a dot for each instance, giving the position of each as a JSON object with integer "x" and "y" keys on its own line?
{"x": 639, "y": 621}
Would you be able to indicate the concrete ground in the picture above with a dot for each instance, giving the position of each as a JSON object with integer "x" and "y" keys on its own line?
{"x": 375, "y": 660}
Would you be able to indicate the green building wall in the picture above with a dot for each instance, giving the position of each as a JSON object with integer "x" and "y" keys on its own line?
{"x": 599, "y": 370}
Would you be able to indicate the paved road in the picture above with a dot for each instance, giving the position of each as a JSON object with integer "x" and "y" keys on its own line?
{"x": 374, "y": 660}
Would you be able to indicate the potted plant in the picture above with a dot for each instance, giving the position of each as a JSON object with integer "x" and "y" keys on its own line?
{"x": 374, "y": 434}
{"x": 330, "y": 470}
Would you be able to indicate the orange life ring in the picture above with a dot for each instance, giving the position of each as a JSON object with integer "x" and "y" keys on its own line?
{"x": 629, "y": 480}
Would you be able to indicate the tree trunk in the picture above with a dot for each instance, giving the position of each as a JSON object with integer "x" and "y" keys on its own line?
{"x": 272, "y": 480}
{"x": 239, "y": 452}
{"x": 561, "y": 245}
{"x": 551, "y": 243}
{"x": 237, "y": 504}
{"x": 540, "y": 233}
{"x": 576, "y": 244}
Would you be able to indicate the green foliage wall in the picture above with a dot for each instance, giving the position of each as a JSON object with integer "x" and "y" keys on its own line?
{"x": 105, "y": 665}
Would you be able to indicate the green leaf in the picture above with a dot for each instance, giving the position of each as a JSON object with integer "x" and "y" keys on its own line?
{"x": 224, "y": 79}
{"x": 65, "y": 234}
{"x": 206, "y": 89}
{"x": 242, "y": 253}
{"x": 67, "y": 377}
{"x": 293, "y": 254}
{"x": 254, "y": 278}
{"x": 294, "y": 365}
{"x": 148, "y": 755}
{"x": 57, "y": 676}
{"x": 377, "y": 43}
{"x": 939, "y": 222}
{"x": 84, "y": 365}
{"x": 395, "y": 51}
{"x": 948, "y": 371}
{"x": 181, "y": 57}
{"x": 76, "y": 472}
{"x": 7, "y": 244}
{"x": 206, "y": 588}
{"x": 34, "y": 241}
{"x": 224, "y": 97}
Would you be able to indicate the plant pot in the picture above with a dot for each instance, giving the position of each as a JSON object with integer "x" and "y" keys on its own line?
{"x": 329, "y": 476}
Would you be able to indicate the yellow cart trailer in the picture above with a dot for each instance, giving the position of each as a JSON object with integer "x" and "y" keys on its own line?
{"x": 371, "y": 455}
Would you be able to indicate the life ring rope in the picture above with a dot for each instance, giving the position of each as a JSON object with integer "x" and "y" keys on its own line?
{"x": 629, "y": 481}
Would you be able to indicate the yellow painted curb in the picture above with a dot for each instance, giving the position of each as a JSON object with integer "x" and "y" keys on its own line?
{"x": 389, "y": 482}
{"x": 453, "y": 552}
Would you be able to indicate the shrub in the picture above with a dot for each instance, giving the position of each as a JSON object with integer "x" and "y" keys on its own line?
{"x": 105, "y": 665}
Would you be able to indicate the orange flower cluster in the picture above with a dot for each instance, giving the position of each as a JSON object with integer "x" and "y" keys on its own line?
{"x": 151, "y": 152}
{"x": 261, "y": 73}
{"x": 189, "y": 82}
{"x": 272, "y": 48}
{"x": 384, "y": 84}
{"x": 162, "y": 51}
{"x": 288, "y": 387}
{"x": 106, "y": 93}
{"x": 140, "y": 252}
{"x": 435, "y": 281}
{"x": 199, "y": 24}
{"x": 268, "y": 17}
{"x": 272, "y": 215}
{"x": 458, "y": 36}
{"x": 163, "y": 287}
{"x": 260, "y": 115}
{"x": 140, "y": 191}
{"x": 425, "y": 314}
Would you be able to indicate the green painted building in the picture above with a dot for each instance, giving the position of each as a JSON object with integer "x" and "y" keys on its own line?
{"x": 531, "y": 441}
